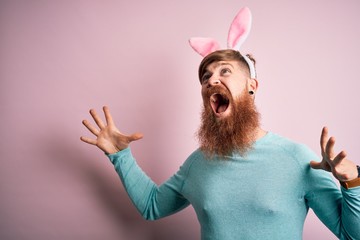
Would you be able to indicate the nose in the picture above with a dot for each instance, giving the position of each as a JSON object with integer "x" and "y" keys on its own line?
{"x": 213, "y": 81}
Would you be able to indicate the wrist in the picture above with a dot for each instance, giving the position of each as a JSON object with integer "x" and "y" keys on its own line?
{"x": 352, "y": 183}
{"x": 112, "y": 150}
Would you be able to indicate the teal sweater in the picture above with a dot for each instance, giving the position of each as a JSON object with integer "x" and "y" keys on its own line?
{"x": 264, "y": 195}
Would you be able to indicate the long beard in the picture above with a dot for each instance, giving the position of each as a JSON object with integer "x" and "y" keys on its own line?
{"x": 234, "y": 133}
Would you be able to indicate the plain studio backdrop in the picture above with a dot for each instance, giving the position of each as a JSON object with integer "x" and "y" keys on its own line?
{"x": 58, "y": 59}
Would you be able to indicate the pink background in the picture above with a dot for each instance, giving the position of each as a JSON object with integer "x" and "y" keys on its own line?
{"x": 60, "y": 58}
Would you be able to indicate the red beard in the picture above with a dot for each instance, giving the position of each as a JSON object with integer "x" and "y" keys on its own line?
{"x": 233, "y": 133}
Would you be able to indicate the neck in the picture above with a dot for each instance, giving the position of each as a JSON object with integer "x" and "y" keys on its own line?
{"x": 259, "y": 133}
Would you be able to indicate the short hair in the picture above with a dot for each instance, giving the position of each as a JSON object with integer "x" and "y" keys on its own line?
{"x": 224, "y": 55}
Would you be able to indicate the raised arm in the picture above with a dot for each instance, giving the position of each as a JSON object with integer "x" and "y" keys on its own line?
{"x": 152, "y": 201}
{"x": 339, "y": 210}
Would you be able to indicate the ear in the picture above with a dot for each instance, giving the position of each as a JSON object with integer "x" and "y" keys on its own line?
{"x": 252, "y": 84}
{"x": 204, "y": 46}
{"x": 239, "y": 29}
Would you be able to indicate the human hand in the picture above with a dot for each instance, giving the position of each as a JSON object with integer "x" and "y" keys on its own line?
{"x": 342, "y": 168}
{"x": 108, "y": 138}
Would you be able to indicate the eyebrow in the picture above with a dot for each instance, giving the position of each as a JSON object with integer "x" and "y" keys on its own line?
{"x": 221, "y": 64}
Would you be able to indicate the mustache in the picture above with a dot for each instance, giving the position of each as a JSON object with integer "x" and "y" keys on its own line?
{"x": 217, "y": 90}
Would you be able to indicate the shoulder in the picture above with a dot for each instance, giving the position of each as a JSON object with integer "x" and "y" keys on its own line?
{"x": 299, "y": 151}
{"x": 194, "y": 157}
{"x": 187, "y": 168}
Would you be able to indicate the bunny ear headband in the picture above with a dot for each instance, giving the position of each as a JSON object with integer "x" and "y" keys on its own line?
{"x": 238, "y": 32}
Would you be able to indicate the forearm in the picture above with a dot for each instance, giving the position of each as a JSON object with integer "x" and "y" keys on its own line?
{"x": 350, "y": 214}
{"x": 152, "y": 202}
{"x": 338, "y": 209}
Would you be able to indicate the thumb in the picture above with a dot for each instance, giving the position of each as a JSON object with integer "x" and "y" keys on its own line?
{"x": 135, "y": 137}
{"x": 315, "y": 165}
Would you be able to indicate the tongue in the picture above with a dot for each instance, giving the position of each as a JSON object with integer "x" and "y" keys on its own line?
{"x": 222, "y": 108}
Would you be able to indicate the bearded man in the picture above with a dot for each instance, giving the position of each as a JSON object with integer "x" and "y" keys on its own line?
{"x": 243, "y": 182}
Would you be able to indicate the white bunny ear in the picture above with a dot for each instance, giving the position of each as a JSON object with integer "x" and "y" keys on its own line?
{"x": 239, "y": 29}
{"x": 204, "y": 46}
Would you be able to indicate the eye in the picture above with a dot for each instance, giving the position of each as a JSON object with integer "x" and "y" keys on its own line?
{"x": 225, "y": 71}
{"x": 205, "y": 78}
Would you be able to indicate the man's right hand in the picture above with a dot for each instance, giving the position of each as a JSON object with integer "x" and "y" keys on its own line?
{"x": 108, "y": 137}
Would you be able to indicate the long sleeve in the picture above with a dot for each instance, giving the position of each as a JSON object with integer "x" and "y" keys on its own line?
{"x": 151, "y": 201}
{"x": 351, "y": 213}
{"x": 338, "y": 209}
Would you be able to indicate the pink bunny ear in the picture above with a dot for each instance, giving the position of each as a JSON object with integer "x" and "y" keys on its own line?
{"x": 239, "y": 29}
{"x": 204, "y": 46}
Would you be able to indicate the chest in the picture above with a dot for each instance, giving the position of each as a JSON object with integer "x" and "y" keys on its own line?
{"x": 251, "y": 188}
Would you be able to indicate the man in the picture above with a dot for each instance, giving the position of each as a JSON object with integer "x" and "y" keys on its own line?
{"x": 243, "y": 182}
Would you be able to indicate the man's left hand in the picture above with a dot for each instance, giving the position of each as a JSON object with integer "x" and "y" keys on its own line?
{"x": 342, "y": 168}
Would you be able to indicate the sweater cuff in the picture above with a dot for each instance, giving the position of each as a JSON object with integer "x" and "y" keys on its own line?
{"x": 118, "y": 155}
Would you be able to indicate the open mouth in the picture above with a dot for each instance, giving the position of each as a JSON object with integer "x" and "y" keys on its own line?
{"x": 219, "y": 104}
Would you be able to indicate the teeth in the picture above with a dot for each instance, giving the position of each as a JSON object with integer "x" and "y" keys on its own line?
{"x": 214, "y": 98}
